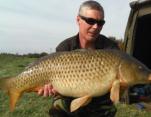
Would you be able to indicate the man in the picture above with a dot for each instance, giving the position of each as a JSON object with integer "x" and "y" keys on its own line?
{"x": 90, "y": 20}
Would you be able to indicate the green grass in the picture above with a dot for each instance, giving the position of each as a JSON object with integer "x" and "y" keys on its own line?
{"x": 11, "y": 65}
{"x": 32, "y": 105}
{"x": 124, "y": 110}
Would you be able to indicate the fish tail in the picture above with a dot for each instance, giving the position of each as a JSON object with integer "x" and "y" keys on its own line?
{"x": 13, "y": 94}
{"x": 14, "y": 97}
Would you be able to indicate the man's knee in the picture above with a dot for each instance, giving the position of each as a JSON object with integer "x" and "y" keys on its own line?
{"x": 59, "y": 109}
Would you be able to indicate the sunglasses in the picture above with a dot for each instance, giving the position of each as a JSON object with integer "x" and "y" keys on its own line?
{"x": 92, "y": 21}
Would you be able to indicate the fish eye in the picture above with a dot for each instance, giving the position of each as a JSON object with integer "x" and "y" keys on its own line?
{"x": 139, "y": 67}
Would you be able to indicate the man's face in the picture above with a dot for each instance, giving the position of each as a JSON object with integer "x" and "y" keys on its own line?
{"x": 90, "y": 31}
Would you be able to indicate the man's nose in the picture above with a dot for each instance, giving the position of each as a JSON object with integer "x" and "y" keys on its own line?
{"x": 95, "y": 25}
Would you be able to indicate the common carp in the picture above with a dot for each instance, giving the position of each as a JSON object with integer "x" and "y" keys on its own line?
{"x": 80, "y": 74}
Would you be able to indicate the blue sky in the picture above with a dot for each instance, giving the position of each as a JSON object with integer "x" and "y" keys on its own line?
{"x": 29, "y": 26}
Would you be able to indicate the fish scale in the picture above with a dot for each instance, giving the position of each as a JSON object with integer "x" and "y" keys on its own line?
{"x": 80, "y": 74}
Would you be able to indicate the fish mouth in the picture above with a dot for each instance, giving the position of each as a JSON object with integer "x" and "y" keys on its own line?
{"x": 149, "y": 77}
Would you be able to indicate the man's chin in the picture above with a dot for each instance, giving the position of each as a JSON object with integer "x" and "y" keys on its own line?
{"x": 92, "y": 37}
{"x": 93, "y": 34}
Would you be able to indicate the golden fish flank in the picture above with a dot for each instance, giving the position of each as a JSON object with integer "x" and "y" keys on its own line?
{"x": 79, "y": 74}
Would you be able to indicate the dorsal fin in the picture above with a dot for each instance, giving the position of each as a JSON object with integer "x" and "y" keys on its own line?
{"x": 79, "y": 50}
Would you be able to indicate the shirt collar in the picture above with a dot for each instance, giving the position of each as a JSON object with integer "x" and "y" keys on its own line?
{"x": 76, "y": 44}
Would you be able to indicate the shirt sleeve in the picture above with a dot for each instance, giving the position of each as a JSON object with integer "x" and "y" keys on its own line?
{"x": 107, "y": 43}
{"x": 63, "y": 46}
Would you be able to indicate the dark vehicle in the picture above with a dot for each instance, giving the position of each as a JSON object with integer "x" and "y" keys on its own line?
{"x": 137, "y": 42}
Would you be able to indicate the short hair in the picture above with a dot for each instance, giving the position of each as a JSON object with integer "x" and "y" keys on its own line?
{"x": 90, "y": 4}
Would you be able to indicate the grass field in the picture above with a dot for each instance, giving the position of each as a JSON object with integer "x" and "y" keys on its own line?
{"x": 32, "y": 105}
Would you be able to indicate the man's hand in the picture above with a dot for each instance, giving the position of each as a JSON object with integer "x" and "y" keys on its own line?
{"x": 47, "y": 90}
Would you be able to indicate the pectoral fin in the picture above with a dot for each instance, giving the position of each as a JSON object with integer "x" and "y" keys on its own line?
{"x": 79, "y": 102}
{"x": 115, "y": 91}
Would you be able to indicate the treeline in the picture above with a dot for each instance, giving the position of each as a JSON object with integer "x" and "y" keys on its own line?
{"x": 30, "y": 55}
{"x": 35, "y": 55}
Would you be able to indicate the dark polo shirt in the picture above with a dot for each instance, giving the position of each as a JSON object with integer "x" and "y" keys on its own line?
{"x": 72, "y": 43}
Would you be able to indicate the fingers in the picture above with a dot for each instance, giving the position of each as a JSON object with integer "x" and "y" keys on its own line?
{"x": 40, "y": 91}
{"x": 47, "y": 90}
{"x": 54, "y": 91}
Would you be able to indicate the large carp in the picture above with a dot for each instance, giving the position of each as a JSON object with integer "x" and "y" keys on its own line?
{"x": 82, "y": 74}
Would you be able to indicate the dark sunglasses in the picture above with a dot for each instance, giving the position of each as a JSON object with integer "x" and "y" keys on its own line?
{"x": 92, "y": 21}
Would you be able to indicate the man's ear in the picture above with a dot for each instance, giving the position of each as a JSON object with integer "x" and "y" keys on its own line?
{"x": 78, "y": 20}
